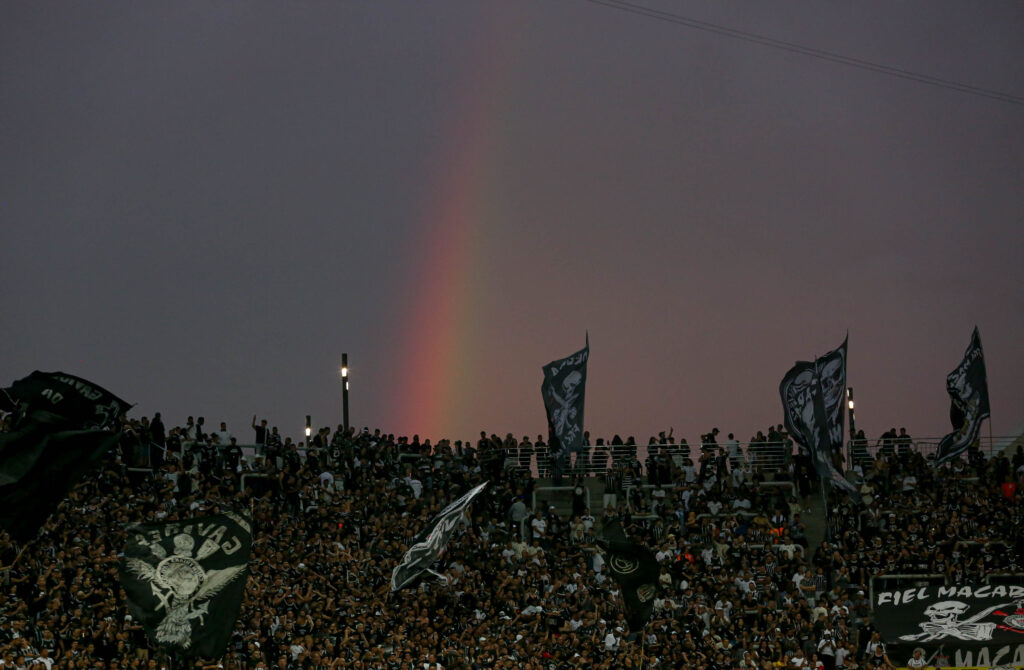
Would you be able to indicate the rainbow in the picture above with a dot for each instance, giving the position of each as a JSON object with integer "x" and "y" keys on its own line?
{"x": 436, "y": 358}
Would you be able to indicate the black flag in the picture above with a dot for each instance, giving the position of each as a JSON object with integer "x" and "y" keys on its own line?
{"x": 971, "y": 624}
{"x": 185, "y": 579}
{"x": 968, "y": 390}
{"x": 80, "y": 402}
{"x": 563, "y": 389}
{"x": 428, "y": 545}
{"x": 636, "y": 571}
{"x": 61, "y": 426}
{"x": 812, "y": 403}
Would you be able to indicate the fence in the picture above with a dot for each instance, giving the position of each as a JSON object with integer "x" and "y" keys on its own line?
{"x": 763, "y": 457}
{"x": 766, "y": 458}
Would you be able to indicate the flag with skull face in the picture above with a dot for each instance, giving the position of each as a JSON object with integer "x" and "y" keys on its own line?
{"x": 812, "y": 401}
{"x": 968, "y": 391}
{"x": 563, "y": 389}
{"x": 184, "y": 580}
{"x": 980, "y": 622}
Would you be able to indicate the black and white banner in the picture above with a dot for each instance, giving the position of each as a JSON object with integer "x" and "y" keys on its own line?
{"x": 635, "y": 569}
{"x": 65, "y": 397}
{"x": 968, "y": 390}
{"x": 61, "y": 426}
{"x": 563, "y": 388}
{"x": 966, "y": 625}
{"x": 812, "y": 403}
{"x": 185, "y": 579}
{"x": 428, "y": 546}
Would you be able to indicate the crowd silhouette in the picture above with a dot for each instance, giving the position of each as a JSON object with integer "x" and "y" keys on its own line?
{"x": 523, "y": 585}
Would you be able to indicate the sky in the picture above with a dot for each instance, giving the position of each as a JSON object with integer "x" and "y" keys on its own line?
{"x": 203, "y": 205}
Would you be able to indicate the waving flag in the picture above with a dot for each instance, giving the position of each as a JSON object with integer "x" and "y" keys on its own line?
{"x": 564, "y": 388}
{"x": 428, "y": 546}
{"x": 635, "y": 569}
{"x": 185, "y": 579}
{"x": 812, "y": 402}
{"x": 968, "y": 390}
{"x": 61, "y": 426}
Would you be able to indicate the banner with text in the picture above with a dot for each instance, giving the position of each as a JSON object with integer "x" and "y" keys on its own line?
{"x": 955, "y": 625}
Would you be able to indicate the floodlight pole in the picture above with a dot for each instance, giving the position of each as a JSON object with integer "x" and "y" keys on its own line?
{"x": 344, "y": 391}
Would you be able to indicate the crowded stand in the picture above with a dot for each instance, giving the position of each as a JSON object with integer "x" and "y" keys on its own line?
{"x": 524, "y": 584}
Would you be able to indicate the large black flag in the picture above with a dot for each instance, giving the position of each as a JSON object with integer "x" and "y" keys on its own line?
{"x": 635, "y": 569}
{"x": 431, "y": 541}
{"x": 61, "y": 426}
{"x": 812, "y": 403}
{"x": 563, "y": 388}
{"x": 71, "y": 398}
{"x": 978, "y": 624}
{"x": 185, "y": 579}
{"x": 968, "y": 390}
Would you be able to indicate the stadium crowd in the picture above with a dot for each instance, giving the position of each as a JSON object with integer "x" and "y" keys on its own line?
{"x": 524, "y": 586}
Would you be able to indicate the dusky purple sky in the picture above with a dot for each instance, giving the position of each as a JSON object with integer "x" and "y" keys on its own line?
{"x": 204, "y": 204}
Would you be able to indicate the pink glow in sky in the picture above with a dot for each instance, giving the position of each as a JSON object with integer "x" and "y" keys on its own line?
{"x": 205, "y": 204}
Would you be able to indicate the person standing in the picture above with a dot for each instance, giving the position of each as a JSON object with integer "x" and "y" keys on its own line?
{"x": 732, "y": 446}
{"x": 827, "y": 650}
{"x": 261, "y": 435}
{"x": 517, "y": 515}
{"x": 612, "y": 486}
{"x": 157, "y": 432}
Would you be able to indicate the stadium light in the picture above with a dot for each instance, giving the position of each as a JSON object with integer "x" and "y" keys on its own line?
{"x": 309, "y": 428}
{"x": 849, "y": 405}
{"x": 344, "y": 391}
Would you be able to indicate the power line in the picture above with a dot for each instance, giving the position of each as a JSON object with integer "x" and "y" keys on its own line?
{"x": 890, "y": 70}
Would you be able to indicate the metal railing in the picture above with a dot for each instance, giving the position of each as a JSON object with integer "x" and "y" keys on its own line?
{"x": 766, "y": 458}
{"x": 643, "y": 459}
{"x": 763, "y": 457}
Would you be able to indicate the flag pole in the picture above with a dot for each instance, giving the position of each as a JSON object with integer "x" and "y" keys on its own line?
{"x": 18, "y": 557}
{"x": 824, "y": 501}
{"x": 443, "y": 578}
{"x": 643, "y": 639}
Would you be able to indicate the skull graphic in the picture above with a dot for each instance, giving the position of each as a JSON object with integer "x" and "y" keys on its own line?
{"x": 946, "y": 612}
{"x": 944, "y": 621}
{"x": 569, "y": 384}
{"x": 832, "y": 383}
